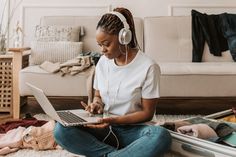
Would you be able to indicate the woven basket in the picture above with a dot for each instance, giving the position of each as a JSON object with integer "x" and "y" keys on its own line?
{"x": 6, "y": 84}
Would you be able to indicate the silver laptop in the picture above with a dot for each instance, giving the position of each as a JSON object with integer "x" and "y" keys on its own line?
{"x": 65, "y": 117}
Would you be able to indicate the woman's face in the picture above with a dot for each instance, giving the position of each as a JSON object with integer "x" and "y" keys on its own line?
{"x": 109, "y": 44}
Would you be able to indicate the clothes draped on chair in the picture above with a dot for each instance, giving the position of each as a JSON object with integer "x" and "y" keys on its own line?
{"x": 218, "y": 30}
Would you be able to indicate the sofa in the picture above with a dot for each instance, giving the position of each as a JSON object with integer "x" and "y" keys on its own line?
{"x": 165, "y": 39}
{"x": 68, "y": 86}
{"x": 168, "y": 41}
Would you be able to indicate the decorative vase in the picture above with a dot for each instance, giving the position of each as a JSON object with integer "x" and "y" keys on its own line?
{"x": 2, "y": 44}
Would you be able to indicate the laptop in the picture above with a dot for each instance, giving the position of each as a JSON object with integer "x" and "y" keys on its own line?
{"x": 65, "y": 117}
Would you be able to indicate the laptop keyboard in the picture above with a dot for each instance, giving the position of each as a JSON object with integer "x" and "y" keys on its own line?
{"x": 70, "y": 117}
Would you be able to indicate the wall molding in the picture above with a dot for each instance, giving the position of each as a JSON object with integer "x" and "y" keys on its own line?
{"x": 223, "y": 8}
{"x": 55, "y": 10}
{"x": 25, "y": 7}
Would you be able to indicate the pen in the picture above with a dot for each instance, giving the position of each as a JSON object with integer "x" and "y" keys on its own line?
{"x": 86, "y": 108}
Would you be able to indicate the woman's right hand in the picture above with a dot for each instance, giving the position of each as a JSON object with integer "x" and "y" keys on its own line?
{"x": 94, "y": 107}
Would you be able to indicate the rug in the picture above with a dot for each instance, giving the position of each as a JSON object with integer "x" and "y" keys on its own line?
{"x": 63, "y": 153}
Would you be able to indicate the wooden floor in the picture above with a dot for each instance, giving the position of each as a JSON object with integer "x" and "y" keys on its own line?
{"x": 62, "y": 103}
{"x": 195, "y": 105}
{"x": 164, "y": 106}
{"x": 173, "y": 106}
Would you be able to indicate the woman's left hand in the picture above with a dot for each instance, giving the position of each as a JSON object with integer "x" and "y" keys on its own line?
{"x": 103, "y": 123}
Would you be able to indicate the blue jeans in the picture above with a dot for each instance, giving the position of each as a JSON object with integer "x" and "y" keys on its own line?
{"x": 134, "y": 141}
{"x": 228, "y": 28}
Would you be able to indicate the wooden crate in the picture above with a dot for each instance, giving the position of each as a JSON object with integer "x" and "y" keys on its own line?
{"x": 10, "y": 65}
{"x": 6, "y": 83}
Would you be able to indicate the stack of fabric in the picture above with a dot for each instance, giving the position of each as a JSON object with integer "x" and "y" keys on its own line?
{"x": 28, "y": 132}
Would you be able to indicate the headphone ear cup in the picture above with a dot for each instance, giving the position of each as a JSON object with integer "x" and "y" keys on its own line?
{"x": 125, "y": 36}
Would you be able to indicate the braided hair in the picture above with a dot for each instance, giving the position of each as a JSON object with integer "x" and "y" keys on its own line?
{"x": 111, "y": 24}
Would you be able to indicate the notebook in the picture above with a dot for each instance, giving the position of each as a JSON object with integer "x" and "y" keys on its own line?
{"x": 65, "y": 117}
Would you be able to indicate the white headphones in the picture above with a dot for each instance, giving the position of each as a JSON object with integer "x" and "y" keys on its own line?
{"x": 125, "y": 35}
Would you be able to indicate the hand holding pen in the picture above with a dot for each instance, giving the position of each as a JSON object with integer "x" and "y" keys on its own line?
{"x": 94, "y": 107}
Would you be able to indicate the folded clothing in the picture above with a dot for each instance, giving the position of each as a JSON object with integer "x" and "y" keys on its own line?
{"x": 72, "y": 66}
{"x": 202, "y": 131}
{"x": 222, "y": 129}
{"x": 40, "y": 138}
{"x": 4, "y": 128}
{"x": 50, "y": 67}
{"x": 12, "y": 138}
{"x": 175, "y": 125}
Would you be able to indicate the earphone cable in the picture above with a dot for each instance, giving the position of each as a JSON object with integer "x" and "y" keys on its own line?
{"x": 109, "y": 95}
{"x": 109, "y": 133}
{"x": 126, "y": 54}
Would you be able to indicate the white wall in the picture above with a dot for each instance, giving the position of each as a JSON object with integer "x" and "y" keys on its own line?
{"x": 4, "y": 14}
{"x": 31, "y": 10}
{"x": 139, "y": 8}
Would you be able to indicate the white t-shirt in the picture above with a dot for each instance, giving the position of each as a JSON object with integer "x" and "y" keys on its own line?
{"x": 122, "y": 87}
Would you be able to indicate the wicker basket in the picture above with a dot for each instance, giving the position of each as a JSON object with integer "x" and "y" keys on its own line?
{"x": 6, "y": 83}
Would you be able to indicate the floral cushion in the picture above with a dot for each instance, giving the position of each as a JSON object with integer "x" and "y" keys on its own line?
{"x": 57, "y": 33}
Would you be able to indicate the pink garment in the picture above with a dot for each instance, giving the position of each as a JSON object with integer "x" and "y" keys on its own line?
{"x": 202, "y": 131}
{"x": 11, "y": 140}
{"x": 7, "y": 150}
{"x": 40, "y": 138}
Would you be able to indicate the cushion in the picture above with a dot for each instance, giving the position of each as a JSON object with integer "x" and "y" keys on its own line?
{"x": 77, "y": 85}
{"x": 57, "y": 33}
{"x": 54, "y": 51}
{"x": 203, "y": 68}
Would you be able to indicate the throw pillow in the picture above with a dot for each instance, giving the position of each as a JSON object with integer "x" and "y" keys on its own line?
{"x": 57, "y": 33}
{"x": 59, "y": 51}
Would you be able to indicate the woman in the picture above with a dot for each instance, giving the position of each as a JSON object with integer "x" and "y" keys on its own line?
{"x": 125, "y": 85}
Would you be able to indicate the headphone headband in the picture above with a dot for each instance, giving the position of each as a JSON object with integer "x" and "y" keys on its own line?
{"x": 121, "y": 17}
{"x": 125, "y": 35}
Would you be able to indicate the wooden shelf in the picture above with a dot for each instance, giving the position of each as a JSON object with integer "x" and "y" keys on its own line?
{"x": 14, "y": 59}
